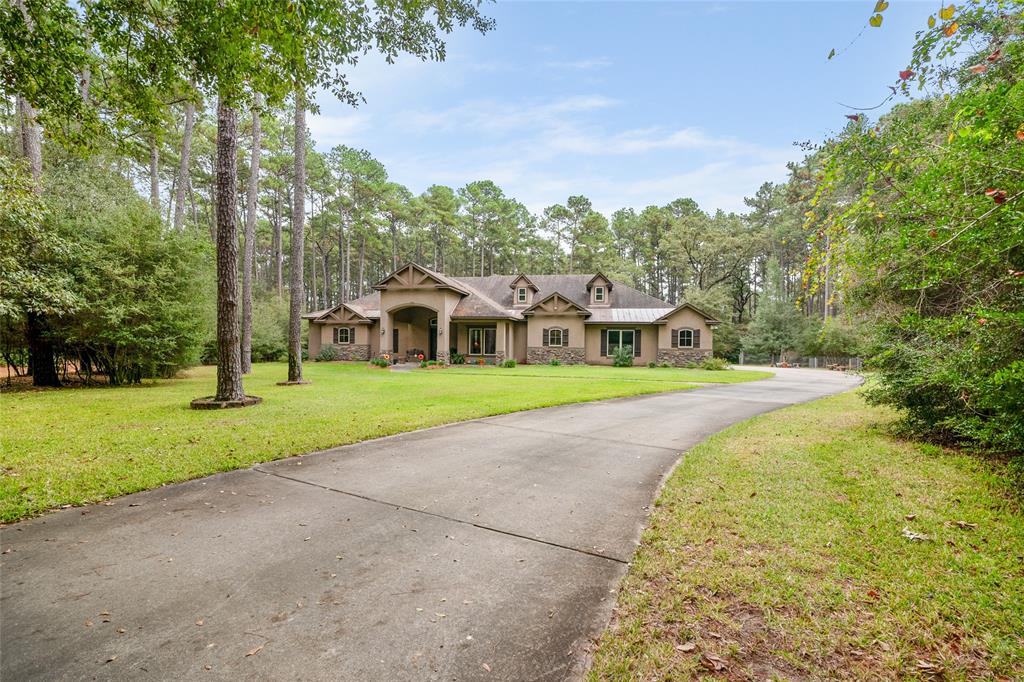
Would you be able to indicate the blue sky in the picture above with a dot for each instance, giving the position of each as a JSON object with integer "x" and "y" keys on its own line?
{"x": 627, "y": 103}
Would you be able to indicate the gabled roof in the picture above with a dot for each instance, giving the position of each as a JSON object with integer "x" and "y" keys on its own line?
{"x": 331, "y": 315}
{"x": 493, "y": 296}
{"x": 514, "y": 283}
{"x": 590, "y": 282}
{"x": 710, "y": 319}
{"x": 440, "y": 281}
{"x": 580, "y": 310}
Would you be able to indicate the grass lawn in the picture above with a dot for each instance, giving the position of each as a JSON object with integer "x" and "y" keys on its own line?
{"x": 589, "y": 372}
{"x": 71, "y": 446}
{"x": 776, "y": 550}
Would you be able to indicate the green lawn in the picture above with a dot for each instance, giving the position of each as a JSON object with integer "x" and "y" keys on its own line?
{"x": 776, "y": 551}
{"x": 589, "y": 372}
{"x": 76, "y": 445}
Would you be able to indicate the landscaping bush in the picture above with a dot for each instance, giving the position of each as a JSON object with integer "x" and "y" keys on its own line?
{"x": 555, "y": 362}
{"x": 508, "y": 364}
{"x": 622, "y": 356}
{"x": 327, "y": 354}
{"x": 714, "y": 364}
{"x": 458, "y": 359}
{"x": 652, "y": 364}
{"x": 380, "y": 362}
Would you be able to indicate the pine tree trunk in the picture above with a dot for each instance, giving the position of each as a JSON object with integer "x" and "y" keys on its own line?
{"x": 229, "y": 365}
{"x": 183, "y": 167}
{"x": 154, "y": 174}
{"x": 298, "y": 236}
{"x": 250, "y": 238}
{"x": 278, "y": 248}
{"x": 362, "y": 263}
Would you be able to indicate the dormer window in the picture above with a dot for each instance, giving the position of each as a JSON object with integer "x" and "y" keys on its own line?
{"x": 598, "y": 294}
{"x": 521, "y": 295}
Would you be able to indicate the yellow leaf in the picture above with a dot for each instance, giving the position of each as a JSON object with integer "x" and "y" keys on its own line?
{"x": 946, "y": 13}
{"x": 931, "y": 21}
{"x": 881, "y": 6}
{"x": 951, "y": 29}
{"x": 950, "y": 138}
{"x": 876, "y": 20}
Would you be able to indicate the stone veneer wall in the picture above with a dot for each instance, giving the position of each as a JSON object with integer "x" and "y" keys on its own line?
{"x": 679, "y": 357}
{"x": 351, "y": 351}
{"x": 542, "y": 355}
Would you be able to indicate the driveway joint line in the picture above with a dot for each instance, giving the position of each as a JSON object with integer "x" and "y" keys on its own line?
{"x": 444, "y": 517}
{"x": 576, "y": 435}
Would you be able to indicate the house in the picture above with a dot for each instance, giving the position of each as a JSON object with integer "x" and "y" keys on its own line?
{"x": 527, "y": 318}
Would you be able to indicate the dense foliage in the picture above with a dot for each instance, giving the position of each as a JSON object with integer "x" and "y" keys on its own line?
{"x": 922, "y": 215}
{"x": 130, "y": 295}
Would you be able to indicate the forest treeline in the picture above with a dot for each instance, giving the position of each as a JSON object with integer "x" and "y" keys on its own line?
{"x": 178, "y": 209}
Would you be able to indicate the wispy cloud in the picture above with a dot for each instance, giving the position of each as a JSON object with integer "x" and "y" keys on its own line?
{"x": 329, "y": 130}
{"x": 580, "y": 64}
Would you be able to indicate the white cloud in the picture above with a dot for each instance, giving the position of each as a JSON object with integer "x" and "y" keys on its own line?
{"x": 580, "y": 64}
{"x": 329, "y": 130}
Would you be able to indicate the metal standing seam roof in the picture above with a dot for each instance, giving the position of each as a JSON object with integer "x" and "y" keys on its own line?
{"x": 638, "y": 315}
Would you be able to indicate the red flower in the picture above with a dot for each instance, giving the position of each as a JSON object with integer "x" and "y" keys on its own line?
{"x": 420, "y": 356}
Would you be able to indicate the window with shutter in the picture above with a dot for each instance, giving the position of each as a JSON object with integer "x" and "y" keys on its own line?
{"x": 555, "y": 337}
{"x": 686, "y": 338}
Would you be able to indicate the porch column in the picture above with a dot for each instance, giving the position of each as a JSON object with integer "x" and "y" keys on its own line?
{"x": 499, "y": 342}
{"x": 385, "y": 333}
{"x": 444, "y": 328}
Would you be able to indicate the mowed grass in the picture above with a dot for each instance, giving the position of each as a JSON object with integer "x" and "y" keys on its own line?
{"x": 776, "y": 551}
{"x": 587, "y": 372}
{"x": 77, "y": 445}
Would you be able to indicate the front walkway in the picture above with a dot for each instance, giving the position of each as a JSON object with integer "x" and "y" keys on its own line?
{"x": 490, "y": 549}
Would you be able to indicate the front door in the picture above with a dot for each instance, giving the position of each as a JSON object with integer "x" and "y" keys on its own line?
{"x": 432, "y": 333}
{"x": 394, "y": 343}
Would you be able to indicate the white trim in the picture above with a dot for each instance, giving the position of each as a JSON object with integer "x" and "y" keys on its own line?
{"x": 521, "y": 296}
{"x": 608, "y": 340}
{"x": 599, "y": 295}
{"x": 680, "y": 338}
{"x": 561, "y": 336}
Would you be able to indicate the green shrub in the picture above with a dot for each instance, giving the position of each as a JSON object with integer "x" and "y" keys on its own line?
{"x": 423, "y": 364}
{"x": 622, "y": 356}
{"x": 665, "y": 365}
{"x": 652, "y": 364}
{"x": 458, "y": 359}
{"x": 327, "y": 354}
{"x": 714, "y": 364}
{"x": 691, "y": 365}
{"x": 379, "y": 362}
{"x": 508, "y": 363}
{"x": 554, "y": 362}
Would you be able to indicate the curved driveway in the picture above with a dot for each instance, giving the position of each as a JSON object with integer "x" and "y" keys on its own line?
{"x": 489, "y": 549}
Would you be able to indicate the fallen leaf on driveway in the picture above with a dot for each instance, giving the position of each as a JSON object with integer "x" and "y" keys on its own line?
{"x": 112, "y": 658}
{"x": 199, "y": 622}
{"x": 88, "y": 623}
{"x": 254, "y": 651}
{"x": 485, "y": 667}
{"x": 686, "y": 648}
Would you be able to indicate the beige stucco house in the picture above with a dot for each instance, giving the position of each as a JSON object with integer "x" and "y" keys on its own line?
{"x": 528, "y": 318}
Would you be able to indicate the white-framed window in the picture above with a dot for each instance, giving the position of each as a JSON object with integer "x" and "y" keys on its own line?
{"x": 620, "y": 337}
{"x": 521, "y": 295}
{"x": 686, "y": 338}
{"x": 342, "y": 335}
{"x": 482, "y": 340}
{"x": 598, "y": 294}
{"x": 555, "y": 337}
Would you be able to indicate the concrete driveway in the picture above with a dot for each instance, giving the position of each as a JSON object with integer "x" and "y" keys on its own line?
{"x": 489, "y": 549}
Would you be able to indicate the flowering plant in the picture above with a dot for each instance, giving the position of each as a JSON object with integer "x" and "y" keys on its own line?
{"x": 419, "y": 357}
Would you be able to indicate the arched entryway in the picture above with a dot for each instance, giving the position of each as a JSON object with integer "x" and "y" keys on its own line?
{"x": 414, "y": 331}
